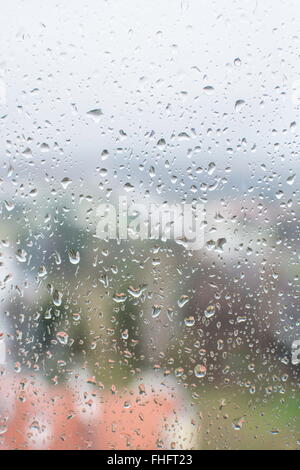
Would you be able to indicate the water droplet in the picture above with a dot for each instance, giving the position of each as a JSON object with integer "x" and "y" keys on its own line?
{"x": 183, "y": 300}
{"x": 179, "y": 372}
{"x": 57, "y": 298}
{"x": 21, "y": 255}
{"x": 74, "y": 256}
{"x": 136, "y": 292}
{"x": 200, "y": 371}
{"x": 119, "y": 298}
{"x": 208, "y": 90}
{"x": 290, "y": 180}
{"x": 161, "y": 143}
{"x": 156, "y": 310}
{"x": 128, "y": 187}
{"x": 62, "y": 337}
{"x": 189, "y": 321}
{"x": 239, "y": 104}
{"x": 95, "y": 114}
{"x": 210, "y": 311}
{"x": 65, "y": 182}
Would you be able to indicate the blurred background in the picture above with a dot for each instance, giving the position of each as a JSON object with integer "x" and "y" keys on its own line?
{"x": 142, "y": 344}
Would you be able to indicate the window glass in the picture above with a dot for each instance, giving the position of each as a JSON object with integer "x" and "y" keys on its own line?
{"x": 149, "y": 238}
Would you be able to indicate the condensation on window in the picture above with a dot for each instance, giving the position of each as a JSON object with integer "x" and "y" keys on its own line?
{"x": 149, "y": 238}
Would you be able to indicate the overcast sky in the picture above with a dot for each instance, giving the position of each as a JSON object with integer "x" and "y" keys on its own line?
{"x": 146, "y": 65}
